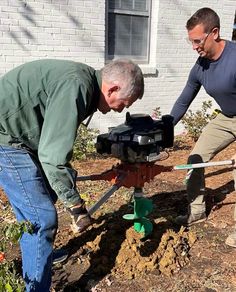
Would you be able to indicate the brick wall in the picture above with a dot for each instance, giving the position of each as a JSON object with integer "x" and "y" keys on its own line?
{"x": 67, "y": 29}
{"x": 75, "y": 29}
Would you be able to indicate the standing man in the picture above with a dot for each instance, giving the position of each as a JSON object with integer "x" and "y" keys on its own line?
{"x": 215, "y": 70}
{"x": 42, "y": 103}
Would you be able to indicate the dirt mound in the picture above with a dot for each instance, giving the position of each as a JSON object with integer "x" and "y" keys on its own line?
{"x": 167, "y": 256}
{"x": 138, "y": 256}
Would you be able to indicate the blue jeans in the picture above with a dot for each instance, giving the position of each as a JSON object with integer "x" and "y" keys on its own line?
{"x": 26, "y": 187}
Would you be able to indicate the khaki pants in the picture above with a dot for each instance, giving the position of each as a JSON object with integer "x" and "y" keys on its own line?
{"x": 218, "y": 134}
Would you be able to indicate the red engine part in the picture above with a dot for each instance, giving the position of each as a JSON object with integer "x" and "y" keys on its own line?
{"x": 131, "y": 175}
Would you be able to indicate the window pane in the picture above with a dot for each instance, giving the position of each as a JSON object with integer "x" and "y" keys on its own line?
{"x": 127, "y": 35}
{"x": 114, "y": 4}
{"x": 127, "y": 4}
{"x": 119, "y": 34}
{"x": 130, "y": 5}
{"x": 139, "y": 36}
{"x": 140, "y": 5}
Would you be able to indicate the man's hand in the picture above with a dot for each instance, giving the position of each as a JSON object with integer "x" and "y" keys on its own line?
{"x": 234, "y": 160}
{"x": 80, "y": 218}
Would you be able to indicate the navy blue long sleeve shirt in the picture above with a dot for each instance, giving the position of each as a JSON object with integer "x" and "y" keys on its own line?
{"x": 218, "y": 79}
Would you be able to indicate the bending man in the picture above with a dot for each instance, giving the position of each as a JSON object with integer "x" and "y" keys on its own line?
{"x": 42, "y": 103}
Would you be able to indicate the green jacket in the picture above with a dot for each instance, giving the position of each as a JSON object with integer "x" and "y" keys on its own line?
{"x": 42, "y": 103}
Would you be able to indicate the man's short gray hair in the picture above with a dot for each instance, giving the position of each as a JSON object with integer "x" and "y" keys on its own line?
{"x": 127, "y": 75}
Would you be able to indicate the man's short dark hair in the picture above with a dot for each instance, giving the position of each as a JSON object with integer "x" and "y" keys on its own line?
{"x": 205, "y": 16}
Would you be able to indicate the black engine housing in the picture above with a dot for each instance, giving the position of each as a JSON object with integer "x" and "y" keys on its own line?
{"x": 139, "y": 139}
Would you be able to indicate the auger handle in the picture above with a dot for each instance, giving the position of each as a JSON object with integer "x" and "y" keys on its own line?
{"x": 204, "y": 164}
{"x": 103, "y": 199}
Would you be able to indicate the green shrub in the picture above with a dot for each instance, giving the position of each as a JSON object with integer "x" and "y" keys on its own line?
{"x": 10, "y": 278}
{"x": 194, "y": 122}
{"x": 84, "y": 143}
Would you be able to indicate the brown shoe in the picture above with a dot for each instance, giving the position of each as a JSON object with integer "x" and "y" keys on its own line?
{"x": 82, "y": 222}
{"x": 190, "y": 219}
{"x": 231, "y": 240}
{"x": 80, "y": 217}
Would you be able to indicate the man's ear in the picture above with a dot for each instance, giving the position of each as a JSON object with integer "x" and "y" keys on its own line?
{"x": 113, "y": 88}
{"x": 216, "y": 33}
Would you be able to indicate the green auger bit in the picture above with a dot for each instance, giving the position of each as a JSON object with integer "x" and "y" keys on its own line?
{"x": 142, "y": 207}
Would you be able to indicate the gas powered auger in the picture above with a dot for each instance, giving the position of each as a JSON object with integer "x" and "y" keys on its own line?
{"x": 138, "y": 143}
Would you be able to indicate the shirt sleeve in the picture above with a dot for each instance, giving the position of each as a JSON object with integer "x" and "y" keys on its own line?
{"x": 188, "y": 94}
{"x": 65, "y": 108}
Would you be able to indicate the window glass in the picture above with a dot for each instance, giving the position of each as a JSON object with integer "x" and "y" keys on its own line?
{"x": 139, "y": 5}
{"x": 128, "y": 26}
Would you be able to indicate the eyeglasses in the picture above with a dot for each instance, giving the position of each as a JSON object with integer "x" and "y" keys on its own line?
{"x": 198, "y": 42}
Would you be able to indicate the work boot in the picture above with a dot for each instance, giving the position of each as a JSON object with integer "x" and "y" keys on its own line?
{"x": 190, "y": 219}
{"x": 82, "y": 222}
{"x": 80, "y": 218}
{"x": 231, "y": 239}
